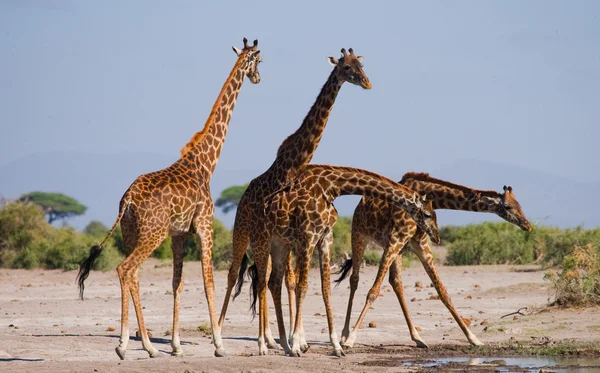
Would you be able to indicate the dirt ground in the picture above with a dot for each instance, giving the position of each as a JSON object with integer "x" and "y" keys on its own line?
{"x": 45, "y": 328}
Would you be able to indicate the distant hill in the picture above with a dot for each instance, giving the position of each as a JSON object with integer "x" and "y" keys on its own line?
{"x": 99, "y": 180}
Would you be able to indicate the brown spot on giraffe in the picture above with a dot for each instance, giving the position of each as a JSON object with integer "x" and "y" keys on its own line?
{"x": 175, "y": 201}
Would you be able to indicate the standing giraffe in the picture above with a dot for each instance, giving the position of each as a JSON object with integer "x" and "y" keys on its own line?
{"x": 302, "y": 218}
{"x": 392, "y": 228}
{"x": 176, "y": 201}
{"x": 295, "y": 151}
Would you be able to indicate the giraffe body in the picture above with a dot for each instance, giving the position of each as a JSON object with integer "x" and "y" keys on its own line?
{"x": 303, "y": 218}
{"x": 391, "y": 228}
{"x": 251, "y": 223}
{"x": 176, "y": 202}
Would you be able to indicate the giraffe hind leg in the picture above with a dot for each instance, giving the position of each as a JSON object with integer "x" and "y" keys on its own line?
{"x": 143, "y": 245}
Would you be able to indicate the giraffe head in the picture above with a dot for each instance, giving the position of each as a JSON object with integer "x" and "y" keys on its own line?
{"x": 426, "y": 218}
{"x": 349, "y": 68}
{"x": 250, "y": 58}
{"x": 508, "y": 208}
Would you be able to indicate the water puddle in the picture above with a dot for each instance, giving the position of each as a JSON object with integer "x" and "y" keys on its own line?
{"x": 513, "y": 364}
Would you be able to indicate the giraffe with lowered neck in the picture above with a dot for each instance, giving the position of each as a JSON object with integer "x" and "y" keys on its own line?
{"x": 393, "y": 229}
{"x": 176, "y": 202}
{"x": 301, "y": 218}
{"x": 296, "y": 151}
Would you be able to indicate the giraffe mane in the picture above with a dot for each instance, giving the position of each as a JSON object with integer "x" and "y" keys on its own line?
{"x": 200, "y": 135}
{"x": 423, "y": 176}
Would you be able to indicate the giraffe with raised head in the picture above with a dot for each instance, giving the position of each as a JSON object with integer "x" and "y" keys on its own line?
{"x": 176, "y": 202}
{"x": 296, "y": 151}
{"x": 301, "y": 218}
{"x": 391, "y": 228}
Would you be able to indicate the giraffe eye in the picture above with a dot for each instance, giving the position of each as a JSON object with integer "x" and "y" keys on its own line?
{"x": 346, "y": 67}
{"x": 507, "y": 207}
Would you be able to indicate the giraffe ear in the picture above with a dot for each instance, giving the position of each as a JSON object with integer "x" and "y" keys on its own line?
{"x": 332, "y": 60}
{"x": 359, "y": 58}
{"x": 237, "y": 51}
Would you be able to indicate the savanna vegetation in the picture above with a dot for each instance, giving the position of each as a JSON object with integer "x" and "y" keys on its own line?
{"x": 572, "y": 256}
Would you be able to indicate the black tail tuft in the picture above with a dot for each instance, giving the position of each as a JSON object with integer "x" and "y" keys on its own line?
{"x": 253, "y": 274}
{"x": 240, "y": 279}
{"x": 86, "y": 266}
{"x": 346, "y": 268}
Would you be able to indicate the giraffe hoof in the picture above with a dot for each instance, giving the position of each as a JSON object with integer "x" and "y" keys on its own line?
{"x": 339, "y": 353}
{"x": 477, "y": 343}
{"x": 273, "y": 346}
{"x": 121, "y": 352}
{"x": 295, "y": 353}
{"x": 220, "y": 353}
{"x": 421, "y": 344}
{"x": 154, "y": 354}
{"x": 177, "y": 353}
{"x": 304, "y": 348}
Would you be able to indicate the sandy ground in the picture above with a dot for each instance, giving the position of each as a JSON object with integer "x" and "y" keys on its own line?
{"x": 45, "y": 328}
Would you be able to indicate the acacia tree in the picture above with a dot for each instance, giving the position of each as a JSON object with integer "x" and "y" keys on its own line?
{"x": 55, "y": 205}
{"x": 230, "y": 197}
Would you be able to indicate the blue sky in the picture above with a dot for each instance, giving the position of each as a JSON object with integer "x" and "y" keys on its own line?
{"x": 512, "y": 82}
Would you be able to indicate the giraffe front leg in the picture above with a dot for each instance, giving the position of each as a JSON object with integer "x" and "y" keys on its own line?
{"x": 203, "y": 227}
{"x": 290, "y": 284}
{"x": 421, "y": 248}
{"x": 177, "y": 246}
{"x": 324, "y": 258}
{"x": 275, "y": 285}
{"x": 396, "y": 282}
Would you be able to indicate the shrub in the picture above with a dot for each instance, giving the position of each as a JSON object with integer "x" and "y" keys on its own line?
{"x": 504, "y": 243}
{"x": 578, "y": 282}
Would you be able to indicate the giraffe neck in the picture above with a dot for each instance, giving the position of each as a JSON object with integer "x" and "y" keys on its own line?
{"x": 449, "y": 196}
{"x": 205, "y": 146}
{"x": 299, "y": 148}
{"x": 337, "y": 181}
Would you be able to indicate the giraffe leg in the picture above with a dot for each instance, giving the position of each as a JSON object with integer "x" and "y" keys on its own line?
{"x": 203, "y": 225}
{"x": 177, "y": 246}
{"x": 137, "y": 305}
{"x": 421, "y": 248}
{"x": 303, "y": 263}
{"x": 324, "y": 258}
{"x": 396, "y": 282}
{"x": 275, "y": 285}
{"x": 358, "y": 249}
{"x": 124, "y": 338}
{"x": 396, "y": 243}
{"x": 241, "y": 240}
{"x": 262, "y": 259}
{"x": 290, "y": 284}
{"x": 140, "y": 247}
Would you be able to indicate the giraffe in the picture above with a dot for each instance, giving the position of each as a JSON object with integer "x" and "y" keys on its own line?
{"x": 176, "y": 202}
{"x": 393, "y": 229}
{"x": 294, "y": 152}
{"x": 302, "y": 217}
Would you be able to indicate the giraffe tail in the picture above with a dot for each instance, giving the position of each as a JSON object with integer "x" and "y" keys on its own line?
{"x": 253, "y": 274}
{"x": 344, "y": 271}
{"x": 86, "y": 266}
{"x": 241, "y": 273}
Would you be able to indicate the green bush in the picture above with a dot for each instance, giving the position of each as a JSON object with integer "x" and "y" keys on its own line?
{"x": 28, "y": 241}
{"x": 578, "y": 282}
{"x": 504, "y": 243}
